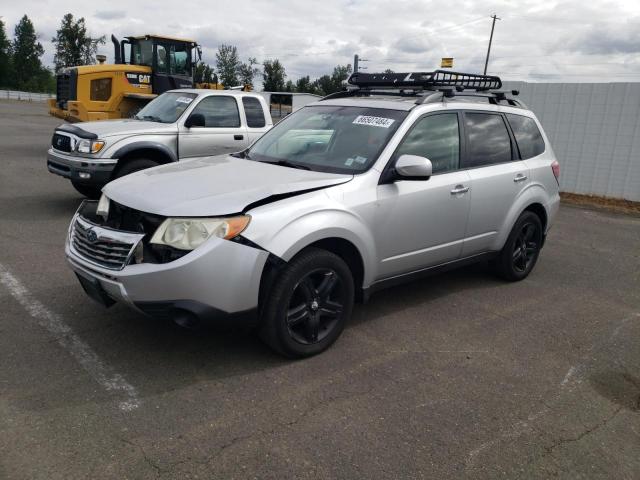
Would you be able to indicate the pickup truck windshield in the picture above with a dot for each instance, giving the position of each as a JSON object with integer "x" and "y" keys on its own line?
{"x": 166, "y": 108}
{"x": 328, "y": 138}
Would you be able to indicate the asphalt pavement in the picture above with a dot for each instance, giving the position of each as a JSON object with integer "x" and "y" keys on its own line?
{"x": 457, "y": 376}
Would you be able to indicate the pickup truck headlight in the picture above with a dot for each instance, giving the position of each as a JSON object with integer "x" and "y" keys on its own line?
{"x": 90, "y": 146}
{"x": 189, "y": 233}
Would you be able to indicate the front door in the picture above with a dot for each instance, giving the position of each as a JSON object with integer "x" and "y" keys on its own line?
{"x": 421, "y": 223}
{"x": 223, "y": 131}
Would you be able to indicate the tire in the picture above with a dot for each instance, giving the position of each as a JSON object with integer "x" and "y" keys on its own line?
{"x": 521, "y": 250}
{"x": 92, "y": 192}
{"x": 131, "y": 166}
{"x": 308, "y": 305}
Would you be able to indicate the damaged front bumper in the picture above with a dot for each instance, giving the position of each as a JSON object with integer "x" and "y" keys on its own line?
{"x": 219, "y": 280}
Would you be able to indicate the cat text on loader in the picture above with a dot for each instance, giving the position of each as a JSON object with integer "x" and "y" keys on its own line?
{"x": 144, "y": 67}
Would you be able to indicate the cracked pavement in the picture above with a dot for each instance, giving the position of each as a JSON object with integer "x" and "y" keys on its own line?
{"x": 457, "y": 376}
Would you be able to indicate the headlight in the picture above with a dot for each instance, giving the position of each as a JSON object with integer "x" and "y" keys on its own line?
{"x": 90, "y": 146}
{"x": 189, "y": 233}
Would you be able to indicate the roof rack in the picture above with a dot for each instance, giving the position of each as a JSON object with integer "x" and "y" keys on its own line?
{"x": 428, "y": 87}
{"x": 425, "y": 80}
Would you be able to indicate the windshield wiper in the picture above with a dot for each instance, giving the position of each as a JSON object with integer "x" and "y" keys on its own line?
{"x": 287, "y": 163}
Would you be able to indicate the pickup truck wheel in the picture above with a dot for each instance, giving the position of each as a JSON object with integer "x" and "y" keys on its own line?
{"x": 90, "y": 191}
{"x": 308, "y": 305}
{"x": 135, "y": 165}
{"x": 521, "y": 250}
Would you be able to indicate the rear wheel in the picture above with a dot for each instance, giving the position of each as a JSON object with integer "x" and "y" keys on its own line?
{"x": 308, "y": 305}
{"x": 522, "y": 248}
{"x": 132, "y": 166}
{"x": 90, "y": 191}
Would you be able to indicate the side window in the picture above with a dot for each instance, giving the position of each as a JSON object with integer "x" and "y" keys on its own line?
{"x": 161, "y": 59}
{"x": 528, "y": 136}
{"x": 219, "y": 112}
{"x": 437, "y": 138}
{"x": 488, "y": 140}
{"x": 254, "y": 112}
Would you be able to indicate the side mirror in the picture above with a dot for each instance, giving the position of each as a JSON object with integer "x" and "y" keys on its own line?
{"x": 413, "y": 167}
{"x": 195, "y": 120}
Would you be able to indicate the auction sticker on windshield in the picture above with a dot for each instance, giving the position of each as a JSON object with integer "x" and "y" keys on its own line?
{"x": 373, "y": 121}
{"x": 186, "y": 100}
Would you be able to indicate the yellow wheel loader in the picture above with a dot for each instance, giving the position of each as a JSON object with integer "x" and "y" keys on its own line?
{"x": 144, "y": 67}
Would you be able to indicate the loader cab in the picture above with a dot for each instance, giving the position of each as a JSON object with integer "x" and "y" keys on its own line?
{"x": 171, "y": 60}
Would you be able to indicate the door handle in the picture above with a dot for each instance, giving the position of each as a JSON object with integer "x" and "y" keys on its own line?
{"x": 459, "y": 189}
{"x": 520, "y": 178}
{"x": 238, "y": 137}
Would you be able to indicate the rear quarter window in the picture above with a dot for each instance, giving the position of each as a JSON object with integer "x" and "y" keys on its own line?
{"x": 528, "y": 136}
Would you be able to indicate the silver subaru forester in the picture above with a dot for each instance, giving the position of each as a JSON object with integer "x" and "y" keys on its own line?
{"x": 400, "y": 176}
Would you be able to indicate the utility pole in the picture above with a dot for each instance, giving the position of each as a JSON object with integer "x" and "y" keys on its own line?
{"x": 493, "y": 24}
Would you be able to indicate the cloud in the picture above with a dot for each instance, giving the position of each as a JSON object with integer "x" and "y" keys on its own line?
{"x": 605, "y": 39}
{"x": 110, "y": 14}
{"x": 532, "y": 37}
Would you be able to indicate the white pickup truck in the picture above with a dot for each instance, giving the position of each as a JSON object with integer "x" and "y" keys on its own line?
{"x": 176, "y": 125}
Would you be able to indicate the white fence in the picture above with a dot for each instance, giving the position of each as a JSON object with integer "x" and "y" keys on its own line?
{"x": 26, "y": 96}
{"x": 594, "y": 129}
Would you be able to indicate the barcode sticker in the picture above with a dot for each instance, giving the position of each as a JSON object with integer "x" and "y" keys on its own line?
{"x": 373, "y": 121}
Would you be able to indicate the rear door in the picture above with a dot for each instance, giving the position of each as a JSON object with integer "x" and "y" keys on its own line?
{"x": 497, "y": 176}
{"x": 421, "y": 223}
{"x": 254, "y": 114}
{"x": 223, "y": 132}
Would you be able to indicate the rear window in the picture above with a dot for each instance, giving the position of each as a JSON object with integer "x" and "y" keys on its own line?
{"x": 254, "y": 112}
{"x": 488, "y": 140}
{"x": 528, "y": 136}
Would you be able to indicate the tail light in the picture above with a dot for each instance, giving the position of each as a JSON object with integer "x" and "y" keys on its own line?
{"x": 555, "y": 166}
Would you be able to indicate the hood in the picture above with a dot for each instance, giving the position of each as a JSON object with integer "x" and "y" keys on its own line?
{"x": 106, "y": 128}
{"x": 211, "y": 186}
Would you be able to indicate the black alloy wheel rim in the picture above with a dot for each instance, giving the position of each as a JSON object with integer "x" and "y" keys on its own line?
{"x": 526, "y": 247}
{"x": 316, "y": 306}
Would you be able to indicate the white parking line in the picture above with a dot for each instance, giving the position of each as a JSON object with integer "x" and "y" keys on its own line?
{"x": 53, "y": 322}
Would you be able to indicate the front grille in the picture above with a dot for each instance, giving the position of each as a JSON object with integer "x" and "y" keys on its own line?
{"x": 61, "y": 142}
{"x": 104, "y": 247}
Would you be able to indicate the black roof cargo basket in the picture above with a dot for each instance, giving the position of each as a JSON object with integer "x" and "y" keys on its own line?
{"x": 425, "y": 80}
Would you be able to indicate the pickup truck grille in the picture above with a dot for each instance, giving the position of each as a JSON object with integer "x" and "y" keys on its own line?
{"x": 101, "y": 246}
{"x": 61, "y": 142}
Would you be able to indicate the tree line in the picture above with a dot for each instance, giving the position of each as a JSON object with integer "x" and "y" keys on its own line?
{"x": 21, "y": 67}
{"x": 20, "y": 58}
{"x": 230, "y": 71}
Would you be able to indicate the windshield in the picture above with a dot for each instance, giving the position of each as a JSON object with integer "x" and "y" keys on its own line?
{"x": 328, "y": 138}
{"x": 166, "y": 108}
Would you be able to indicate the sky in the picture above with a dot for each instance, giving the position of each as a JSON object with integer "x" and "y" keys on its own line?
{"x": 540, "y": 41}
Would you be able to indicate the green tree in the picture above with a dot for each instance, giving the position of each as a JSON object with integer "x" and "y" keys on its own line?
{"x": 273, "y": 76}
{"x": 204, "y": 73}
{"x": 289, "y": 86}
{"x": 6, "y": 74}
{"x": 29, "y": 73}
{"x": 305, "y": 85}
{"x": 73, "y": 45}
{"x": 227, "y": 65}
{"x": 247, "y": 71}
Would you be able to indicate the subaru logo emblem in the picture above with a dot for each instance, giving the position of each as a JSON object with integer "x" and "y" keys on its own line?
{"x": 92, "y": 236}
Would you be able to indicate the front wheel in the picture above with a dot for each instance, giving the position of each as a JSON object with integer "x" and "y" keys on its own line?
{"x": 135, "y": 165}
{"x": 522, "y": 248}
{"x": 308, "y": 305}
